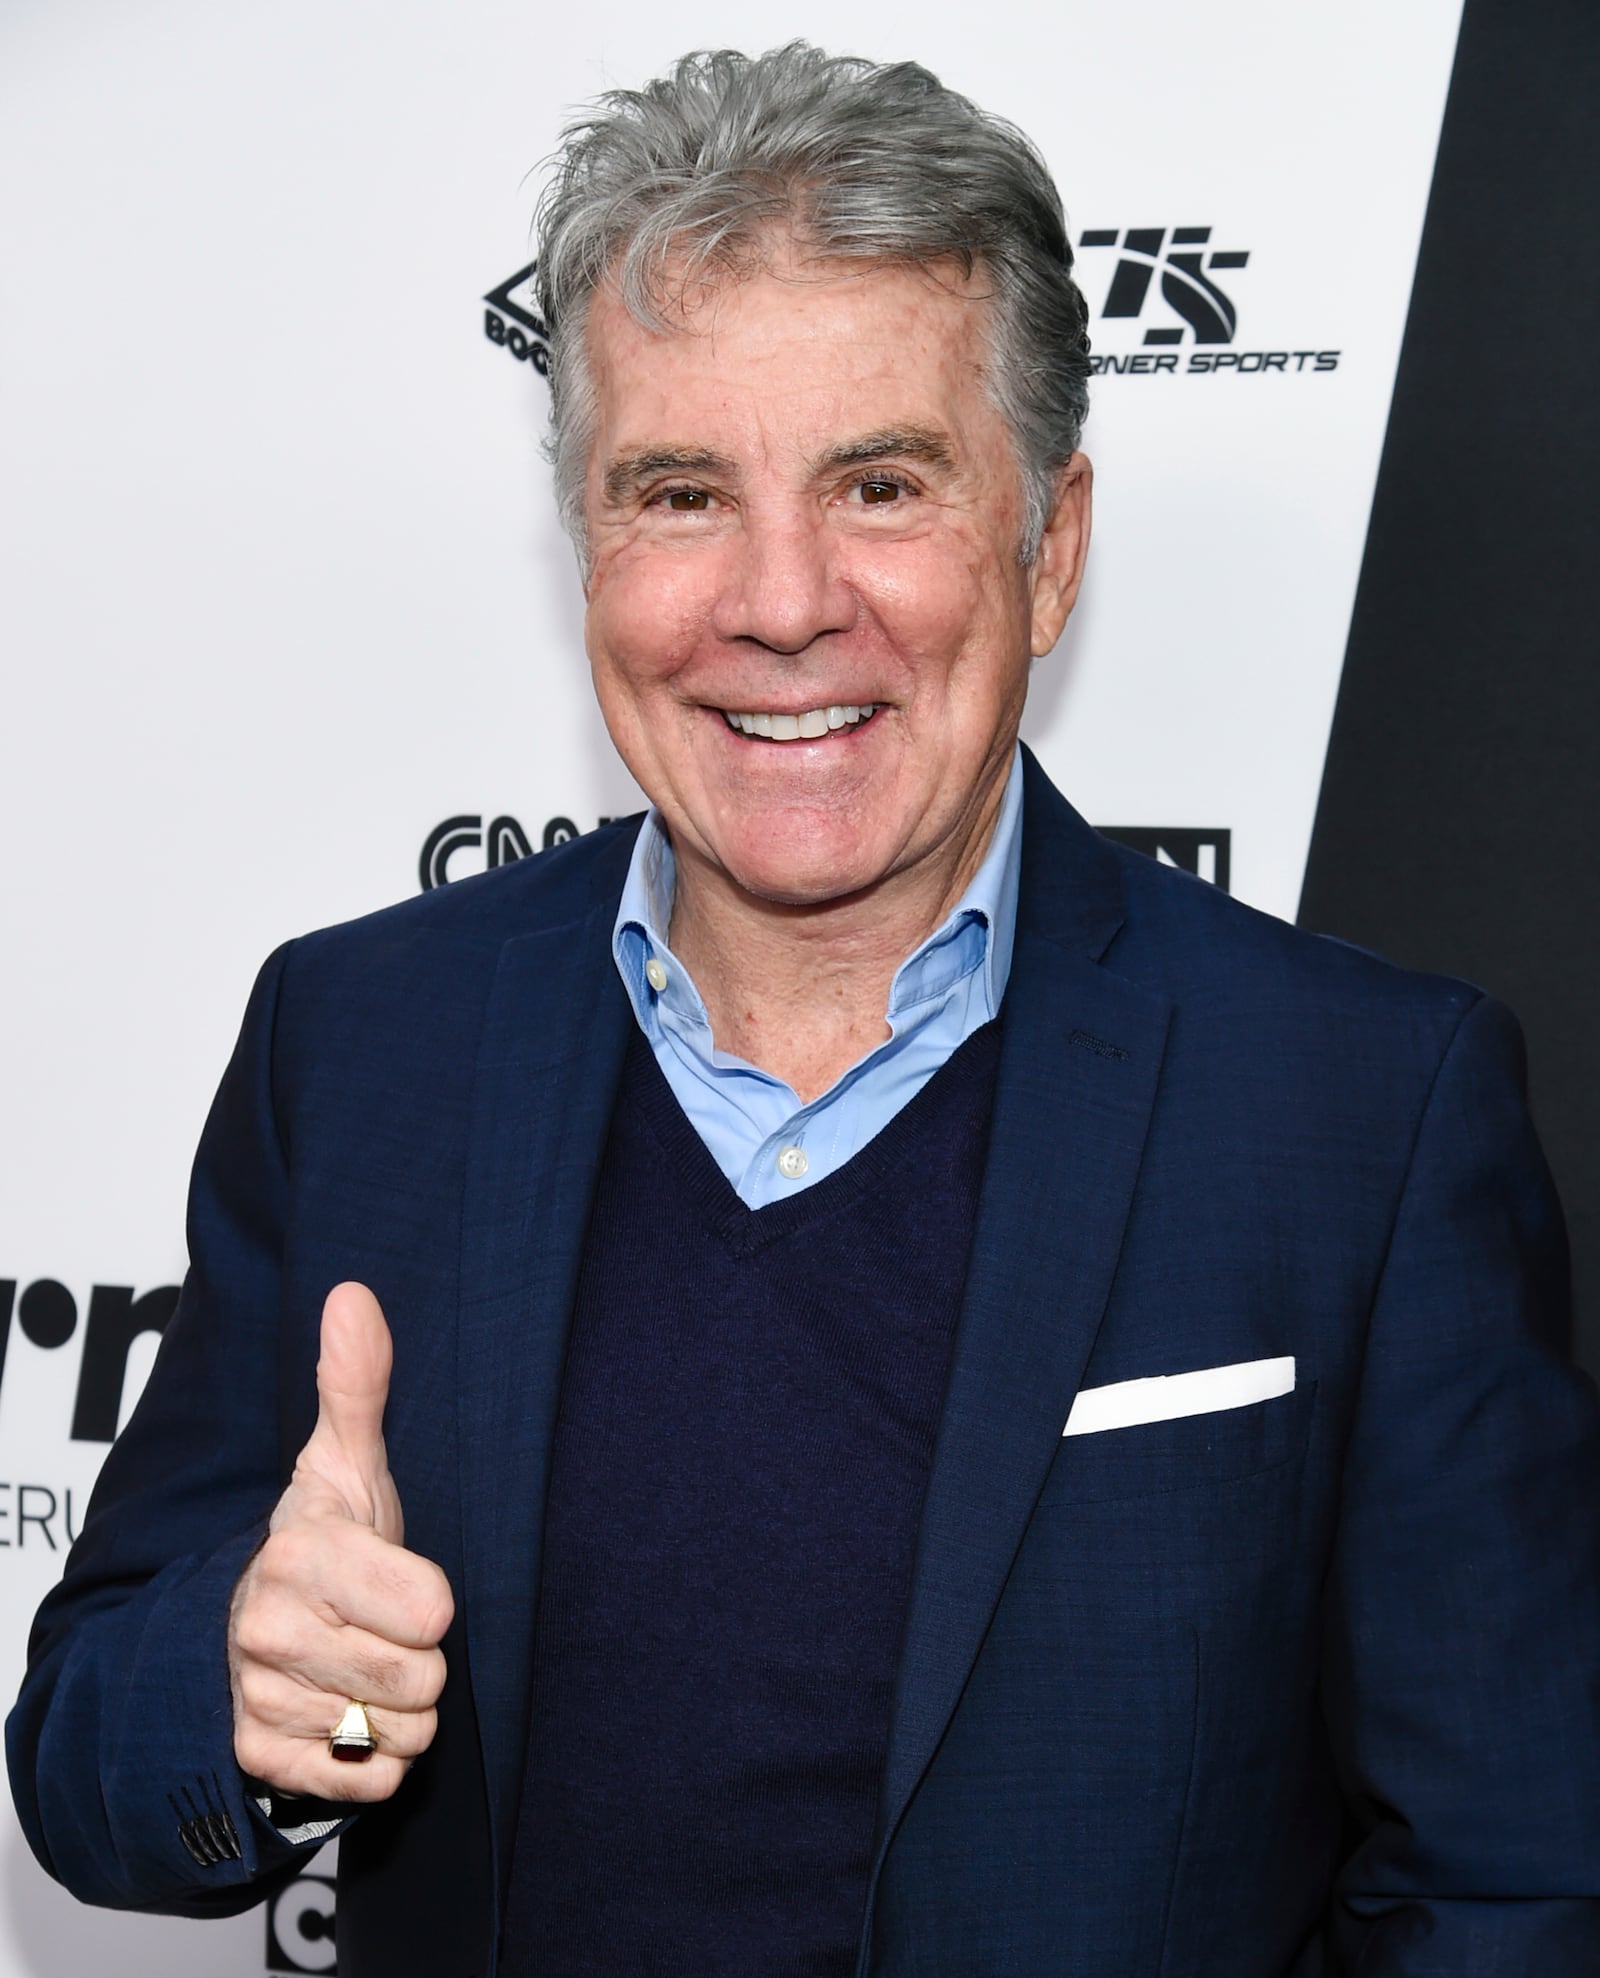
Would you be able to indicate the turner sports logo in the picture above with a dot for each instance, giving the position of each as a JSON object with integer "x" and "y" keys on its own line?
{"x": 1165, "y": 280}
{"x": 511, "y": 319}
{"x": 1204, "y": 853}
{"x": 46, "y": 1314}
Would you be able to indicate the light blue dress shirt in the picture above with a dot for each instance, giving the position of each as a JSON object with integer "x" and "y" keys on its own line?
{"x": 759, "y": 1134}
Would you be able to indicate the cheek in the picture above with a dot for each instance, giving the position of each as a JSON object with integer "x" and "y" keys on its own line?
{"x": 945, "y": 609}
{"x": 645, "y": 615}
{"x": 920, "y": 592}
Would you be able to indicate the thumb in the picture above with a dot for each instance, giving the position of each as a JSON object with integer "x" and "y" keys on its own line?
{"x": 353, "y": 1371}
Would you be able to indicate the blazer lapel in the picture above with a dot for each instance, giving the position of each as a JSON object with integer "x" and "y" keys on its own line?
{"x": 1080, "y": 1057}
{"x": 553, "y": 1041}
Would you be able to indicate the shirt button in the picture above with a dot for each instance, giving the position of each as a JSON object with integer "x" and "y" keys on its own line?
{"x": 792, "y": 1163}
{"x": 655, "y": 975}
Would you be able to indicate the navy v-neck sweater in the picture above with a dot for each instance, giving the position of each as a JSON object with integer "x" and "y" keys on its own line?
{"x": 747, "y": 1419}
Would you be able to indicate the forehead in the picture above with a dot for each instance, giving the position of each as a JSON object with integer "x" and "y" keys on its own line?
{"x": 796, "y": 350}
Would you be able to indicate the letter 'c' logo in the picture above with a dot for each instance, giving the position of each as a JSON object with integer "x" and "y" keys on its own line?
{"x": 503, "y": 842}
{"x": 300, "y": 1926}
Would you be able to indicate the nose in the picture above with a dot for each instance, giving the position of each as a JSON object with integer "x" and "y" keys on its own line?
{"x": 784, "y": 588}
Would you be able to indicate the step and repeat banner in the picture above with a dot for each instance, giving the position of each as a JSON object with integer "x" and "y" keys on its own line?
{"x": 290, "y": 630}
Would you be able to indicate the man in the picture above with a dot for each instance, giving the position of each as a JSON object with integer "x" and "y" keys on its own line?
{"x": 962, "y": 1403}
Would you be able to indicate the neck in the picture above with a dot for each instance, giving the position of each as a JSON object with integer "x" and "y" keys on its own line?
{"x": 803, "y": 991}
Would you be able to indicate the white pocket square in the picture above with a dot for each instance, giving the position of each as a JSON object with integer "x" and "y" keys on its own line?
{"x": 1164, "y": 1397}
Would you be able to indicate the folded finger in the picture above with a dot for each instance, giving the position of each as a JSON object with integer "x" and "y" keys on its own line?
{"x": 283, "y": 1708}
{"x": 303, "y": 1767}
{"x": 350, "y": 1574}
{"x": 382, "y": 1676}
{"x": 347, "y": 1661}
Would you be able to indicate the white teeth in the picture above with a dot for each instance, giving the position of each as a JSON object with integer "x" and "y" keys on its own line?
{"x": 810, "y": 726}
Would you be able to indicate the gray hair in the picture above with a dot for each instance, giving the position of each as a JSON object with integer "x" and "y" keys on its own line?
{"x": 868, "y": 161}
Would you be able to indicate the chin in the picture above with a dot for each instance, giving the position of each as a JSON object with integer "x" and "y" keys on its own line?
{"x": 809, "y": 882}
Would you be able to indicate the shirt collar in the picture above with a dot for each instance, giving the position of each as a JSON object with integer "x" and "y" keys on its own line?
{"x": 979, "y": 931}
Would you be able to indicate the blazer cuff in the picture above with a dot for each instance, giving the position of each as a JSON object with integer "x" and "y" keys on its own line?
{"x": 301, "y": 1821}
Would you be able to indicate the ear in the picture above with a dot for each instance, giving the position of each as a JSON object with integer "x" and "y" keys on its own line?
{"x": 1058, "y": 568}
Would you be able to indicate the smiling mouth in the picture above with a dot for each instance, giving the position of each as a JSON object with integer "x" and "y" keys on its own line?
{"x": 808, "y": 727}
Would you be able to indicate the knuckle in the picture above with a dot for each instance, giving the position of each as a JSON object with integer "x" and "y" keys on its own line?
{"x": 418, "y": 1593}
{"x": 382, "y": 1674}
{"x": 250, "y": 1628}
{"x": 376, "y": 1778}
{"x": 431, "y": 1673}
{"x": 291, "y": 1556}
{"x": 256, "y": 1749}
{"x": 409, "y": 1734}
{"x": 245, "y": 1628}
{"x": 271, "y": 1631}
{"x": 253, "y": 1692}
{"x": 436, "y": 1607}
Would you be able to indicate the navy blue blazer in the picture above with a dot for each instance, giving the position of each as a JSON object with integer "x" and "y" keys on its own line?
{"x": 1306, "y": 1686}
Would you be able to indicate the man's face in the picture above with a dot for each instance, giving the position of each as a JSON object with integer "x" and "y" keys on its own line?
{"x": 803, "y": 504}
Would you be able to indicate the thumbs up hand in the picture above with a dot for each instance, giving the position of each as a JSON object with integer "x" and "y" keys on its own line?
{"x": 332, "y": 1606}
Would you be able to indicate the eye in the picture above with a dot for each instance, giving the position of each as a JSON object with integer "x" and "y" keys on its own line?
{"x": 686, "y": 501}
{"x": 879, "y": 491}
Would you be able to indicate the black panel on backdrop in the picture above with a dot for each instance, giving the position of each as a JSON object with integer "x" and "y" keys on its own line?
{"x": 1460, "y": 813}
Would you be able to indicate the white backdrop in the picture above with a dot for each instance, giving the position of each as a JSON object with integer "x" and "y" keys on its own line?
{"x": 281, "y": 589}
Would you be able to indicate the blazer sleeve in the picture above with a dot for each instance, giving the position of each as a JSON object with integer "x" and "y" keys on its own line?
{"x": 1461, "y": 1663}
{"x": 121, "y": 1743}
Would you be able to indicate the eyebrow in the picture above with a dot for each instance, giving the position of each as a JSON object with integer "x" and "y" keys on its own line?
{"x": 630, "y": 471}
{"x": 922, "y": 443}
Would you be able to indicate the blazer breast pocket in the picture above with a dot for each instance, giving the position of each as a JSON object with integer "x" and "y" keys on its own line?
{"x": 1184, "y": 1453}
